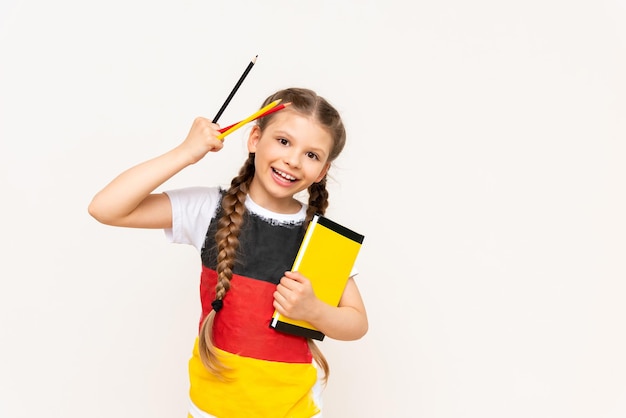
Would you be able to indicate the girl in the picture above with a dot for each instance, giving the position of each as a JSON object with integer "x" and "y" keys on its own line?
{"x": 248, "y": 237}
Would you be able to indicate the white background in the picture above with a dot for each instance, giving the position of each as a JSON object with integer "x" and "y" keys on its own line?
{"x": 485, "y": 164}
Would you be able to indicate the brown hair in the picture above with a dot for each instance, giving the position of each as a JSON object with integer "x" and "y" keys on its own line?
{"x": 305, "y": 102}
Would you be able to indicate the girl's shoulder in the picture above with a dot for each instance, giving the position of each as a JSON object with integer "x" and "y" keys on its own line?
{"x": 194, "y": 199}
{"x": 192, "y": 211}
{"x": 196, "y": 192}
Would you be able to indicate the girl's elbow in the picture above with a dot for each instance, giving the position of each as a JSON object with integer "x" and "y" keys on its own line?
{"x": 94, "y": 211}
{"x": 99, "y": 213}
{"x": 363, "y": 329}
{"x": 359, "y": 330}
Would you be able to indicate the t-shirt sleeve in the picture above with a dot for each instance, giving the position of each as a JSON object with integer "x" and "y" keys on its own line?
{"x": 192, "y": 210}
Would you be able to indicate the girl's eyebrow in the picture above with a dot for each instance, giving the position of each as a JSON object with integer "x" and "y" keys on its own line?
{"x": 318, "y": 150}
{"x": 281, "y": 132}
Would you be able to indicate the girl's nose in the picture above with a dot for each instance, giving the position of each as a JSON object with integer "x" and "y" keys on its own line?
{"x": 292, "y": 159}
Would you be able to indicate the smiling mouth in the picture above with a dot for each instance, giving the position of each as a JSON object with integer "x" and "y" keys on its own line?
{"x": 284, "y": 175}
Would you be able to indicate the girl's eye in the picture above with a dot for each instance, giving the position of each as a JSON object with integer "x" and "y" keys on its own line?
{"x": 312, "y": 155}
{"x": 283, "y": 141}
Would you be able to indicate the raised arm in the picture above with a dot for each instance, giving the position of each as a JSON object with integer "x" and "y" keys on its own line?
{"x": 129, "y": 201}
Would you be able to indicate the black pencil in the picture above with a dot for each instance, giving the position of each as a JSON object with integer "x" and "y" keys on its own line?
{"x": 232, "y": 93}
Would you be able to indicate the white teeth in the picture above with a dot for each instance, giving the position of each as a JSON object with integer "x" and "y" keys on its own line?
{"x": 285, "y": 175}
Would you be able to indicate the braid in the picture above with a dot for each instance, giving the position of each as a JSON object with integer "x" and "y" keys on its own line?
{"x": 318, "y": 199}
{"x": 227, "y": 240}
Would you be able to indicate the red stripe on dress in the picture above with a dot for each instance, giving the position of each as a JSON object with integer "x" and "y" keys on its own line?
{"x": 242, "y": 326}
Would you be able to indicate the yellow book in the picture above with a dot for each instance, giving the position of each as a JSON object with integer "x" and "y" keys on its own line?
{"x": 326, "y": 257}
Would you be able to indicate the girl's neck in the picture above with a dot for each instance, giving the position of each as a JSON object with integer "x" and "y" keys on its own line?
{"x": 288, "y": 205}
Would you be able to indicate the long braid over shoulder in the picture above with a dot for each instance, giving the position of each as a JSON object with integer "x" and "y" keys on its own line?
{"x": 227, "y": 239}
{"x": 309, "y": 104}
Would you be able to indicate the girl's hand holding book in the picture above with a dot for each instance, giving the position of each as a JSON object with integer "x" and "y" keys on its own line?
{"x": 295, "y": 298}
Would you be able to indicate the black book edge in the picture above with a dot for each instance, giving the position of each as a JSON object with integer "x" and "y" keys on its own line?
{"x": 340, "y": 229}
{"x": 297, "y": 330}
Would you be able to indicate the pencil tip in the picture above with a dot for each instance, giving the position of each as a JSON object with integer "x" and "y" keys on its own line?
{"x": 254, "y": 59}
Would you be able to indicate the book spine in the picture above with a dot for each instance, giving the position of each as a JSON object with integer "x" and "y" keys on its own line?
{"x": 305, "y": 242}
{"x": 296, "y": 263}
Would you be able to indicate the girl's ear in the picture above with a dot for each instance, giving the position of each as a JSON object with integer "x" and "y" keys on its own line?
{"x": 323, "y": 173}
{"x": 253, "y": 139}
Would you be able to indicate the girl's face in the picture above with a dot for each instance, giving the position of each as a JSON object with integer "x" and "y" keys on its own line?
{"x": 291, "y": 154}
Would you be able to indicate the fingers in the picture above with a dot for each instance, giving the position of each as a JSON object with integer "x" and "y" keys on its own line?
{"x": 294, "y": 296}
{"x": 287, "y": 291}
{"x": 279, "y": 299}
{"x": 295, "y": 275}
{"x": 205, "y": 127}
{"x": 281, "y": 303}
{"x": 201, "y": 139}
{"x": 293, "y": 288}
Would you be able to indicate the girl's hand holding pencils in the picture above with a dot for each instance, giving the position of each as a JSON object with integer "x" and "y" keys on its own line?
{"x": 201, "y": 139}
{"x": 206, "y": 136}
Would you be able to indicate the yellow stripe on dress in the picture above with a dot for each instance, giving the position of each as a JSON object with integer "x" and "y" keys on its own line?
{"x": 254, "y": 389}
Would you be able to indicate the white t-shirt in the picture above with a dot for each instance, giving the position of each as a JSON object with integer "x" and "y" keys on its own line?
{"x": 193, "y": 208}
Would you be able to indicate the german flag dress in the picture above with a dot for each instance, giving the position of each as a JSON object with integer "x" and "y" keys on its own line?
{"x": 271, "y": 373}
